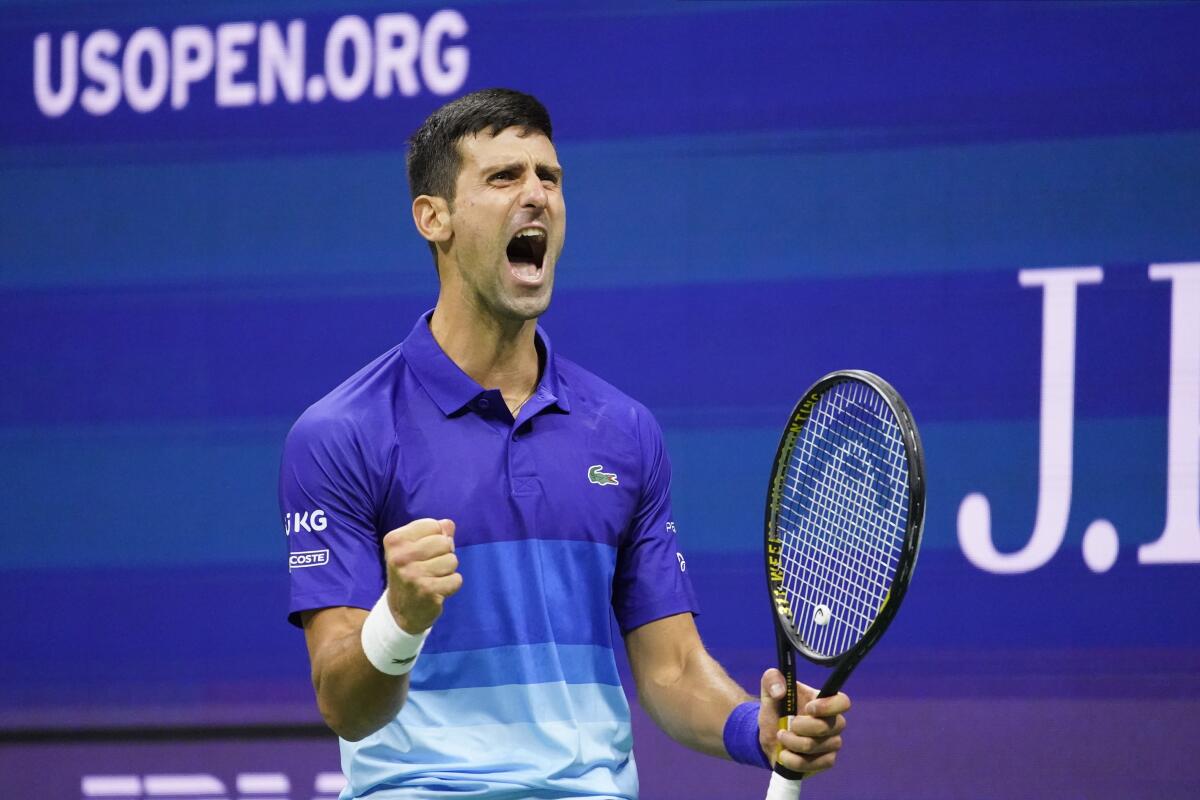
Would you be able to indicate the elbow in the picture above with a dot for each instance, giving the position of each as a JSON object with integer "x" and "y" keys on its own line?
{"x": 334, "y": 713}
{"x": 344, "y": 725}
{"x": 351, "y": 735}
{"x": 351, "y": 718}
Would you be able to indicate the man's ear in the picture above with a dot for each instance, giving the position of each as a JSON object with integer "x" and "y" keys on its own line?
{"x": 431, "y": 215}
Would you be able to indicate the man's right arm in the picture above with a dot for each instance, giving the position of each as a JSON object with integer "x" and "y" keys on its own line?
{"x": 354, "y": 697}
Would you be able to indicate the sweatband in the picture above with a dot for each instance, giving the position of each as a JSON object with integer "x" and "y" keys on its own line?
{"x": 390, "y": 649}
{"x": 741, "y": 736}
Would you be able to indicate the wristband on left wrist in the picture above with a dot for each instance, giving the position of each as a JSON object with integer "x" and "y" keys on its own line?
{"x": 741, "y": 736}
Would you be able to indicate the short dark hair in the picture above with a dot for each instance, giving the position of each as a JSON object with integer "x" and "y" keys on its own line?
{"x": 433, "y": 157}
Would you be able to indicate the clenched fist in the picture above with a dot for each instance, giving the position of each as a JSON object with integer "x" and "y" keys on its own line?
{"x": 421, "y": 571}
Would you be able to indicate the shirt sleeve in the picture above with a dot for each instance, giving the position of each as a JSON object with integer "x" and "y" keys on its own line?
{"x": 328, "y": 500}
{"x": 651, "y": 580}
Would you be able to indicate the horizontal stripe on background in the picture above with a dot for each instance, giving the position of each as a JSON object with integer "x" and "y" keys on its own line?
{"x": 145, "y": 496}
{"x": 979, "y": 738}
{"x": 1120, "y": 474}
{"x": 957, "y": 347}
{"x": 649, "y": 211}
{"x": 211, "y": 646}
{"x": 242, "y": 632}
{"x": 955, "y": 611}
{"x": 1018, "y": 70}
{"x": 168, "y": 496}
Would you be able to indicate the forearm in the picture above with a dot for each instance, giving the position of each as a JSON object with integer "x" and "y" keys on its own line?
{"x": 690, "y": 697}
{"x": 357, "y": 694}
{"x": 355, "y": 698}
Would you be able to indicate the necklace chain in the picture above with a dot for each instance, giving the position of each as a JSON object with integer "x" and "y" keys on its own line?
{"x": 521, "y": 404}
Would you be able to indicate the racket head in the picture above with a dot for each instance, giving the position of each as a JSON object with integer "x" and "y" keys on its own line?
{"x": 844, "y": 515}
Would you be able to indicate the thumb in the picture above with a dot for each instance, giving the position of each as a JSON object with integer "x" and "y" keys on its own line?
{"x": 772, "y": 688}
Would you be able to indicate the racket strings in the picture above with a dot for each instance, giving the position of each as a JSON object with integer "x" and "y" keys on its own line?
{"x": 863, "y": 562}
{"x": 852, "y": 485}
{"x": 842, "y": 577}
{"x": 865, "y": 557}
{"x": 842, "y": 517}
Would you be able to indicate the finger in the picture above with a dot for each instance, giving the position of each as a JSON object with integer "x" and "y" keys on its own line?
{"x": 415, "y": 571}
{"x": 401, "y": 552}
{"x": 807, "y": 764}
{"x": 446, "y": 586}
{"x": 818, "y": 726}
{"x": 771, "y": 688}
{"x": 828, "y": 706}
{"x": 804, "y": 693}
{"x": 417, "y": 529}
{"x": 808, "y": 745}
{"x": 447, "y": 526}
{"x": 441, "y": 566}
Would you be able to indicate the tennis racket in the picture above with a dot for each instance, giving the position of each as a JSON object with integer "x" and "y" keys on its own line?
{"x": 845, "y": 508}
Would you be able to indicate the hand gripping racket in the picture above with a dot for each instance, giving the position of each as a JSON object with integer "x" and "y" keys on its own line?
{"x": 845, "y": 508}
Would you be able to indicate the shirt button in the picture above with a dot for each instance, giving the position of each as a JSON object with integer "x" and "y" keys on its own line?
{"x": 483, "y": 402}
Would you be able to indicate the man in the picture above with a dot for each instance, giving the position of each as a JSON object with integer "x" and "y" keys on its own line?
{"x": 492, "y": 503}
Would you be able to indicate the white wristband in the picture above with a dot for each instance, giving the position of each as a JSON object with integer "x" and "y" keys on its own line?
{"x": 390, "y": 649}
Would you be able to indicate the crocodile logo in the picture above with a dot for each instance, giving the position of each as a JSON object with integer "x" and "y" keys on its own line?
{"x": 597, "y": 476}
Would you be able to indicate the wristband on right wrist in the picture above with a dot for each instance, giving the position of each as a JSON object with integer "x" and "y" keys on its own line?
{"x": 390, "y": 649}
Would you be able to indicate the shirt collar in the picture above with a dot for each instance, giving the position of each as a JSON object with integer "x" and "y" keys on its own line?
{"x": 452, "y": 389}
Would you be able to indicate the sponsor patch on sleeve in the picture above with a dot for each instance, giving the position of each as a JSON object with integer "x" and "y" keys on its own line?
{"x": 308, "y": 558}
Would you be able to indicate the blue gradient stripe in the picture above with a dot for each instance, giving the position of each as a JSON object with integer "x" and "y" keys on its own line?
{"x": 162, "y": 356}
{"x": 874, "y": 211}
{"x": 1120, "y": 474}
{"x": 515, "y": 704}
{"x": 519, "y": 664}
{"x": 533, "y": 612}
{"x": 548, "y": 739}
{"x": 1082, "y": 618}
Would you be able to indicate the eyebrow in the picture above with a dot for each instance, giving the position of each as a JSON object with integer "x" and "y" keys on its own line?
{"x": 519, "y": 166}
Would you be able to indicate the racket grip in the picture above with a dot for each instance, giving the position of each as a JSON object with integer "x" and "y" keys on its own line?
{"x": 791, "y": 775}
{"x": 782, "y": 788}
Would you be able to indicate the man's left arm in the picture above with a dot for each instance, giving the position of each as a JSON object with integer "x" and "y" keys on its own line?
{"x": 691, "y": 698}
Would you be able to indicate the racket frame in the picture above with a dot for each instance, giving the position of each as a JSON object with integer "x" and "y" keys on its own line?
{"x": 786, "y": 641}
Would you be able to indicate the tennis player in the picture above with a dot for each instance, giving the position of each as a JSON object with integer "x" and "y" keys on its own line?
{"x": 466, "y": 511}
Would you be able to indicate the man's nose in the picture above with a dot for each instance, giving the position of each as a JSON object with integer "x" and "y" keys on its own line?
{"x": 533, "y": 193}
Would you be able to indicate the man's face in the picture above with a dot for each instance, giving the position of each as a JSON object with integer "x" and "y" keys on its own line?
{"x": 508, "y": 222}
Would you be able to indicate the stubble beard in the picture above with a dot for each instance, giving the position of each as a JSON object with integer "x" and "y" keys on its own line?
{"x": 506, "y": 305}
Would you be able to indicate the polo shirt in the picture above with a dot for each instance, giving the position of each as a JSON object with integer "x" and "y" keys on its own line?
{"x": 563, "y": 519}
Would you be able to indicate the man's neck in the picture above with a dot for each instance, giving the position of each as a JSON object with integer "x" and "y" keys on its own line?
{"x": 496, "y": 353}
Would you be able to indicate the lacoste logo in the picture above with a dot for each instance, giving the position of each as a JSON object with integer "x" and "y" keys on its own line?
{"x": 600, "y": 478}
{"x": 308, "y": 558}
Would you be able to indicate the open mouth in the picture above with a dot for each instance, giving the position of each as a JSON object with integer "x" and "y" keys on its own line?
{"x": 526, "y": 252}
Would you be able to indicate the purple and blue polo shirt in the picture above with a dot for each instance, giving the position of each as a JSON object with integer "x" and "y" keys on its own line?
{"x": 563, "y": 518}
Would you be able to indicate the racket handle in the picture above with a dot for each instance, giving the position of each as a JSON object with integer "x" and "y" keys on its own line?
{"x": 784, "y": 724}
{"x": 785, "y": 783}
{"x": 782, "y": 788}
